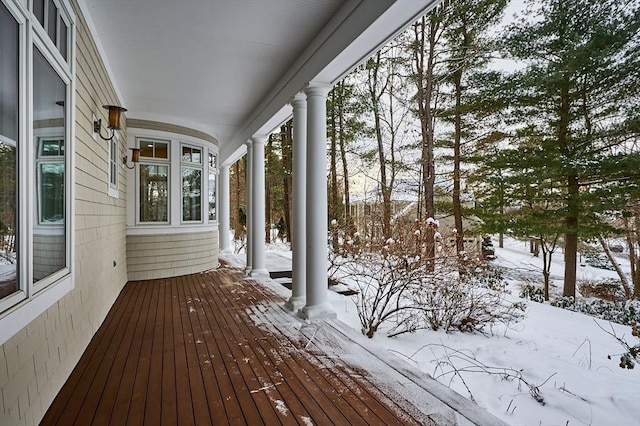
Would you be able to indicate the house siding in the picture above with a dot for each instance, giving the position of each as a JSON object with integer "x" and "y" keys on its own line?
{"x": 168, "y": 255}
{"x": 36, "y": 362}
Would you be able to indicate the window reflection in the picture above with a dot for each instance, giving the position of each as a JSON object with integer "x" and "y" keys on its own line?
{"x": 9, "y": 107}
{"x": 154, "y": 193}
{"x": 191, "y": 194}
{"x": 49, "y": 233}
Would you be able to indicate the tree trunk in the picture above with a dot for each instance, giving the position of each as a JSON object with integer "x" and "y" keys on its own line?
{"x": 239, "y": 213}
{"x": 375, "y": 92}
{"x": 457, "y": 206}
{"x": 573, "y": 187}
{"x": 546, "y": 269}
{"x": 424, "y": 63}
{"x": 287, "y": 142}
{"x": 628, "y": 291}
{"x": 632, "y": 236}
{"x": 333, "y": 189}
{"x": 348, "y": 219}
{"x": 267, "y": 190}
{"x": 571, "y": 239}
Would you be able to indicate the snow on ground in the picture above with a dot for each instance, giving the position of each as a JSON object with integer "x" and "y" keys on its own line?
{"x": 517, "y": 260}
{"x": 560, "y": 353}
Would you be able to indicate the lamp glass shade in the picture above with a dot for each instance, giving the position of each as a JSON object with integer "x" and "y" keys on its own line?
{"x": 114, "y": 116}
{"x": 135, "y": 155}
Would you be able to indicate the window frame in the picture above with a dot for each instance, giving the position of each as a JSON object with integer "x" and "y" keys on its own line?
{"x": 212, "y": 170}
{"x": 113, "y": 169}
{"x": 175, "y": 225}
{"x": 24, "y": 305}
{"x": 153, "y": 161}
{"x": 191, "y": 165}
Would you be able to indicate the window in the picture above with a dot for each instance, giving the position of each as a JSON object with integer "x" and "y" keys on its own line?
{"x": 191, "y": 184}
{"x": 154, "y": 181}
{"x": 49, "y": 231}
{"x": 50, "y": 166}
{"x": 35, "y": 200}
{"x": 49, "y": 16}
{"x": 9, "y": 135}
{"x": 113, "y": 167}
{"x": 213, "y": 175}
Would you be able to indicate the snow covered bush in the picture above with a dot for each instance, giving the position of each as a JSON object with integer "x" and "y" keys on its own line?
{"x": 398, "y": 290}
{"x": 464, "y": 304}
{"x": 631, "y": 353}
{"x": 533, "y": 293}
{"x": 598, "y": 260}
{"x": 608, "y": 289}
{"x": 619, "y": 312}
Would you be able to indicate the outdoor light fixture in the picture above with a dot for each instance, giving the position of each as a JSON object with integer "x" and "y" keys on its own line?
{"x": 135, "y": 157}
{"x": 114, "y": 121}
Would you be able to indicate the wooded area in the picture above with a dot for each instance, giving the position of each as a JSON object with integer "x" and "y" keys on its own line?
{"x": 547, "y": 147}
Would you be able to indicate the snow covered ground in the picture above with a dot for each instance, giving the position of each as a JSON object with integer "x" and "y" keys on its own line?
{"x": 558, "y": 355}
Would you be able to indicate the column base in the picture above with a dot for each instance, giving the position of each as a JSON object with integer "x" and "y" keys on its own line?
{"x": 259, "y": 273}
{"x": 318, "y": 312}
{"x": 226, "y": 251}
{"x": 295, "y": 303}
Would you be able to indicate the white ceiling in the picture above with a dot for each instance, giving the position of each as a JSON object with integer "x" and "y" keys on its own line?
{"x": 229, "y": 67}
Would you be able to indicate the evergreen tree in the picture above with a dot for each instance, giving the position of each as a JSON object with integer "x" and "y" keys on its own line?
{"x": 582, "y": 62}
{"x": 469, "y": 46}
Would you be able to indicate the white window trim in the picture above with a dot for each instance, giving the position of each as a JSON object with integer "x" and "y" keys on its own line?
{"x": 175, "y": 225}
{"x": 18, "y": 310}
{"x": 153, "y": 161}
{"x": 194, "y": 166}
{"x": 215, "y": 171}
{"x": 113, "y": 189}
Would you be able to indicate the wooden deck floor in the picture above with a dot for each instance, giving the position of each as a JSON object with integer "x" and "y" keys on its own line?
{"x": 215, "y": 348}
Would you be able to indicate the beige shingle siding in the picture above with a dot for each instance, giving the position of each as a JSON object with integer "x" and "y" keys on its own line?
{"x": 35, "y": 363}
{"x": 166, "y": 255}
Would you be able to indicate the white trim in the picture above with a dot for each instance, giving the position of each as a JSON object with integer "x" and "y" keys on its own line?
{"x": 113, "y": 189}
{"x": 194, "y": 166}
{"x": 175, "y": 164}
{"x": 38, "y": 297}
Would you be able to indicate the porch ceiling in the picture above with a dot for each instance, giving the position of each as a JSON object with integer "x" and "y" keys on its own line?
{"x": 229, "y": 67}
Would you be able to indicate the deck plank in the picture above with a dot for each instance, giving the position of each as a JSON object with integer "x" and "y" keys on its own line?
{"x": 143, "y": 373}
{"x": 213, "y": 348}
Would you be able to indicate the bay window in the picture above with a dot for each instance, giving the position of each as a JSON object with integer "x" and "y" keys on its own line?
{"x": 175, "y": 182}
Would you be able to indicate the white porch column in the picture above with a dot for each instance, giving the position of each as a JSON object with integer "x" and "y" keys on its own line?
{"x": 223, "y": 210}
{"x": 317, "y": 306}
{"x": 249, "y": 213}
{"x": 298, "y": 219}
{"x": 258, "y": 206}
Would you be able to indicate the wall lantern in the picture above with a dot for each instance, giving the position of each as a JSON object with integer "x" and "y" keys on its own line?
{"x": 135, "y": 157}
{"x": 114, "y": 121}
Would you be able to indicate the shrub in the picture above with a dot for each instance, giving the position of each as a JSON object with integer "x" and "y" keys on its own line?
{"x": 533, "y": 293}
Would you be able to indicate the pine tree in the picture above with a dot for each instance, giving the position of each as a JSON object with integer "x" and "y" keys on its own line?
{"x": 470, "y": 52}
{"x": 582, "y": 65}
